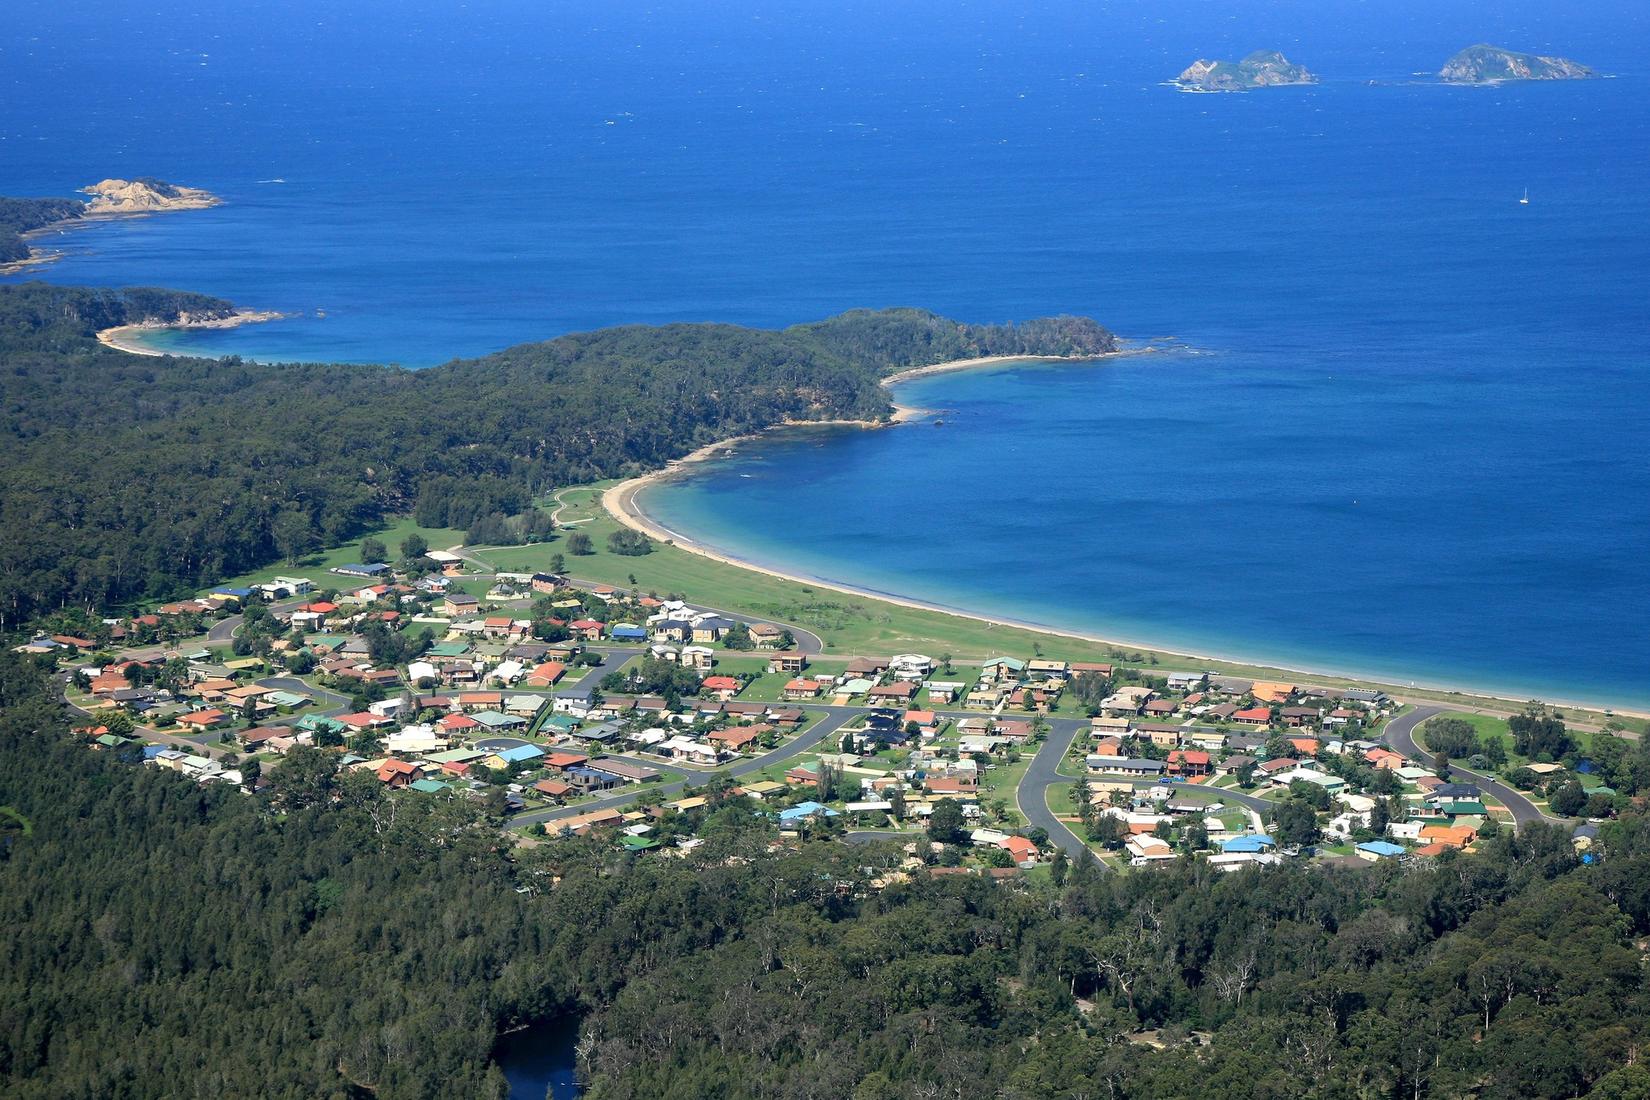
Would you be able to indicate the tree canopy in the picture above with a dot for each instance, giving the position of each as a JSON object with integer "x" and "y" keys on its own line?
{"x": 128, "y": 477}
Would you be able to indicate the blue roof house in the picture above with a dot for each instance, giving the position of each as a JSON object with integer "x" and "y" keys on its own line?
{"x": 1379, "y": 849}
{"x": 1250, "y": 842}
{"x": 803, "y": 810}
{"x": 519, "y": 754}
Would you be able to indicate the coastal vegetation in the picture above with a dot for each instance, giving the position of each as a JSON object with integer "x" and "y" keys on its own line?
{"x": 131, "y": 478}
{"x": 20, "y": 216}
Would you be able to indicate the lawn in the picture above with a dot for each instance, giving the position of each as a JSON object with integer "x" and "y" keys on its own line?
{"x": 848, "y": 624}
{"x": 315, "y": 566}
{"x": 1492, "y": 728}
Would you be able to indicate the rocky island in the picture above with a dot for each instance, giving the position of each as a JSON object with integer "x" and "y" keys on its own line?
{"x": 120, "y": 198}
{"x": 1493, "y": 64}
{"x": 111, "y": 198}
{"x": 1261, "y": 69}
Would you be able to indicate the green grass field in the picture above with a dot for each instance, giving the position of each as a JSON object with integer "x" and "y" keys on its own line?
{"x": 315, "y": 566}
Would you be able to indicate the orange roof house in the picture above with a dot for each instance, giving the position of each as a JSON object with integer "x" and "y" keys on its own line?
{"x": 547, "y": 674}
{"x": 735, "y": 739}
{"x": 1267, "y": 691}
{"x": 1019, "y": 847}
{"x": 1189, "y": 762}
{"x": 724, "y": 686}
{"x": 396, "y": 773}
{"x": 1456, "y": 836}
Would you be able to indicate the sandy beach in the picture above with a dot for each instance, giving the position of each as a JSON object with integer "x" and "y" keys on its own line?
{"x": 129, "y": 338}
{"x": 620, "y": 502}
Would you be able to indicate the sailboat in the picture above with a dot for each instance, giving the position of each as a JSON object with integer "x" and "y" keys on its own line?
{"x": 1525, "y": 201}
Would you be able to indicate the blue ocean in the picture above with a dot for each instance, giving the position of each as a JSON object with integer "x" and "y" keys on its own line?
{"x": 1399, "y": 426}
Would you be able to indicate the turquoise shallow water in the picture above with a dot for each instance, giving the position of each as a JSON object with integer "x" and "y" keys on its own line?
{"x": 1411, "y": 441}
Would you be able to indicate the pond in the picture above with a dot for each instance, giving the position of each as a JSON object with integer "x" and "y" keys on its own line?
{"x": 539, "y": 1061}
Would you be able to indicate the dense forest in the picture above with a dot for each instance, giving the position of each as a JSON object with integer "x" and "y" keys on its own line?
{"x": 324, "y": 938}
{"x": 129, "y": 477}
{"x": 20, "y": 216}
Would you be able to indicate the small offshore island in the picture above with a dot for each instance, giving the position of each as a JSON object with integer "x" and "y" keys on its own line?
{"x": 1483, "y": 64}
{"x": 1261, "y": 69}
{"x": 110, "y": 198}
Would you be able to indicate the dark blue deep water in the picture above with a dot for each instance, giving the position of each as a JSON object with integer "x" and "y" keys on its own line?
{"x": 540, "y": 1061}
{"x": 1411, "y": 439}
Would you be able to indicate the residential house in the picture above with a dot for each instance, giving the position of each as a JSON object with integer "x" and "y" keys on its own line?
{"x": 721, "y": 687}
{"x": 546, "y": 675}
{"x": 1145, "y": 848}
{"x": 518, "y": 754}
{"x": 396, "y": 774}
{"x": 1249, "y": 844}
{"x": 1124, "y": 766}
{"x": 790, "y": 661}
{"x": 926, "y": 721}
{"x": 801, "y": 689}
{"x": 201, "y": 720}
{"x": 712, "y": 630}
{"x": 737, "y": 738}
{"x": 1190, "y": 763}
{"x": 767, "y": 636}
{"x": 898, "y": 694}
{"x": 1000, "y": 669}
{"x": 689, "y": 751}
{"x": 458, "y": 603}
{"x": 1266, "y": 691}
{"x": 625, "y": 770}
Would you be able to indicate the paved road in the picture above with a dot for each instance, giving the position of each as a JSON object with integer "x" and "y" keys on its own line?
{"x": 326, "y": 702}
{"x": 1032, "y": 795}
{"x": 1400, "y": 734}
{"x": 834, "y": 719}
{"x": 612, "y": 661}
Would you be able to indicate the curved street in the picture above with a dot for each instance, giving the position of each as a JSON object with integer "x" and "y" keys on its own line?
{"x": 832, "y": 719}
{"x": 1400, "y": 735}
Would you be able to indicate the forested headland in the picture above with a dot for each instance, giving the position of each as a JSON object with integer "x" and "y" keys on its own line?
{"x": 329, "y": 938}
{"x": 20, "y": 216}
{"x": 128, "y": 477}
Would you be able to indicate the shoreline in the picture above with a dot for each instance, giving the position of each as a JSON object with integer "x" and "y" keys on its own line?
{"x": 619, "y": 501}
{"x": 128, "y": 338}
